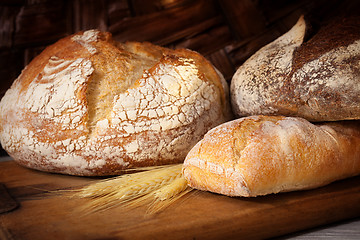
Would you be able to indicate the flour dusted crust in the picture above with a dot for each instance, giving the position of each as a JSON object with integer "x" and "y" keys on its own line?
{"x": 88, "y": 105}
{"x": 317, "y": 78}
{"x": 261, "y": 155}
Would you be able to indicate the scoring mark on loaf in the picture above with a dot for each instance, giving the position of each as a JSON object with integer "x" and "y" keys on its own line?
{"x": 55, "y": 95}
{"x": 86, "y": 39}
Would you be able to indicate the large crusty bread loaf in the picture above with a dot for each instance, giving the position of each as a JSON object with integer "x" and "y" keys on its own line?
{"x": 261, "y": 155}
{"x": 88, "y": 105}
{"x": 316, "y": 77}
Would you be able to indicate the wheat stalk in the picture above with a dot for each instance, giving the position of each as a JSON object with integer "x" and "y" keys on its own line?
{"x": 168, "y": 194}
{"x": 172, "y": 189}
{"x": 157, "y": 187}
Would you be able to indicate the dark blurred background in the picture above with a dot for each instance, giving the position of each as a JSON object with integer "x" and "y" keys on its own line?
{"x": 226, "y": 32}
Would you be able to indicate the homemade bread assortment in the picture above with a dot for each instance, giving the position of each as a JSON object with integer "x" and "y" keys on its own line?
{"x": 316, "y": 78}
{"x": 260, "y": 155}
{"x": 88, "y": 105}
{"x": 91, "y": 106}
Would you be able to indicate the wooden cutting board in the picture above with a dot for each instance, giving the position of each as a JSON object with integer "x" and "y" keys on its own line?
{"x": 201, "y": 215}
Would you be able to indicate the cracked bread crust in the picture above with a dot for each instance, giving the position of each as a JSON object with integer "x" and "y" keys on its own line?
{"x": 91, "y": 106}
{"x": 261, "y": 155}
{"x": 317, "y": 79}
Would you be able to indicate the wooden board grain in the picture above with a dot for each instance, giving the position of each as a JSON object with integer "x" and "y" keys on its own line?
{"x": 201, "y": 215}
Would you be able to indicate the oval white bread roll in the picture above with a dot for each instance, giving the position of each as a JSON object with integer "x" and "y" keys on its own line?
{"x": 317, "y": 79}
{"x": 261, "y": 155}
{"x": 88, "y": 105}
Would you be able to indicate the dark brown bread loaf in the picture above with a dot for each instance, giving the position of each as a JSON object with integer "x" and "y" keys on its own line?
{"x": 316, "y": 78}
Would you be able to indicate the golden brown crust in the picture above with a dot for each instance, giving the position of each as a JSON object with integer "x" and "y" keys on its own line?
{"x": 262, "y": 155}
{"x": 88, "y": 105}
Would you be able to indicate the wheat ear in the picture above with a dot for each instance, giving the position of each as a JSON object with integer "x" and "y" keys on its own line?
{"x": 157, "y": 187}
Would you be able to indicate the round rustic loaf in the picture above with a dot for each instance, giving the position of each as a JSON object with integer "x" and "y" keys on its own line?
{"x": 315, "y": 77}
{"x": 88, "y": 105}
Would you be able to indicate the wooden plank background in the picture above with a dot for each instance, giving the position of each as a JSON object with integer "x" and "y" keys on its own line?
{"x": 226, "y": 32}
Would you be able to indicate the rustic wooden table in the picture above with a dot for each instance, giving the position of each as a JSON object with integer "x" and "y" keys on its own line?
{"x": 338, "y": 203}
